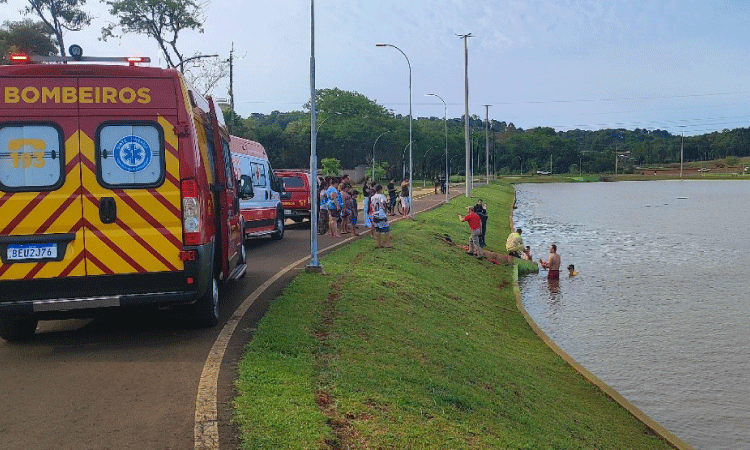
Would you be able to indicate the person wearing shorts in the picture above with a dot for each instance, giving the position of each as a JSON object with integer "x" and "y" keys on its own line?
{"x": 333, "y": 210}
{"x": 380, "y": 219}
{"x": 405, "y": 201}
{"x": 552, "y": 264}
{"x": 392, "y": 196}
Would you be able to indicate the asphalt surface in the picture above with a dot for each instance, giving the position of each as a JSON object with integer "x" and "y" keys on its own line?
{"x": 129, "y": 380}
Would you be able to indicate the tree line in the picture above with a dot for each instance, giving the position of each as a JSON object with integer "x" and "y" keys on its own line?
{"x": 355, "y": 129}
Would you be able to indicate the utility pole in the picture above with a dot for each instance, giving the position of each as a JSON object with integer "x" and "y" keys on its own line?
{"x": 487, "y": 142}
{"x": 682, "y": 141}
{"x": 466, "y": 110}
{"x": 231, "y": 79}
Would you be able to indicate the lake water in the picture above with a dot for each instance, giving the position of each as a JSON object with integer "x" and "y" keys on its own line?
{"x": 660, "y": 310}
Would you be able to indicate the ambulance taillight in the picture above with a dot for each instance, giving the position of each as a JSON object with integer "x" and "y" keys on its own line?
{"x": 133, "y": 60}
{"x": 191, "y": 213}
{"x": 20, "y": 58}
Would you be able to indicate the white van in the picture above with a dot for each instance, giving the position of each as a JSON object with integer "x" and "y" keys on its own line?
{"x": 263, "y": 214}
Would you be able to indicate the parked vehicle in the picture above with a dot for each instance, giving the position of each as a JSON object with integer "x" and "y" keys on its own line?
{"x": 263, "y": 214}
{"x": 116, "y": 189}
{"x": 296, "y": 195}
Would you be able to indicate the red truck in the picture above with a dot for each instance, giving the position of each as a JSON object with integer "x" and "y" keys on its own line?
{"x": 296, "y": 195}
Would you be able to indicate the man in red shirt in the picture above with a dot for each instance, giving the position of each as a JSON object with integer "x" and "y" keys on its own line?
{"x": 475, "y": 224}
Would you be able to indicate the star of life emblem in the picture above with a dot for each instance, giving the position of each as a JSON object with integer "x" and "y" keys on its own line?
{"x": 132, "y": 154}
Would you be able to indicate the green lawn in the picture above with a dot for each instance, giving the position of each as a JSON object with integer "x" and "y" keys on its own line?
{"x": 418, "y": 347}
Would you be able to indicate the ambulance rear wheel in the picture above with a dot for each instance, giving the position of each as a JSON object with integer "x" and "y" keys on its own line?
{"x": 278, "y": 234}
{"x": 206, "y": 308}
{"x": 13, "y": 329}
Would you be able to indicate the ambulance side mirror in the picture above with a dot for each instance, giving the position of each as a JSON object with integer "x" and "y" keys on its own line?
{"x": 245, "y": 187}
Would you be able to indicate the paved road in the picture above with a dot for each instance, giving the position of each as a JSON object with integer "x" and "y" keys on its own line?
{"x": 130, "y": 381}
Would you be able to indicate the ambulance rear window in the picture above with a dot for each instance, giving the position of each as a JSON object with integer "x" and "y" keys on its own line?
{"x": 293, "y": 182}
{"x": 31, "y": 157}
{"x": 130, "y": 155}
{"x": 258, "y": 174}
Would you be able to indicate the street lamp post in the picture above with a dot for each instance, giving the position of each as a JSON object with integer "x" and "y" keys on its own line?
{"x": 324, "y": 121}
{"x": 373, "y": 153}
{"x": 466, "y": 37}
{"x": 487, "y": 143}
{"x": 445, "y": 121}
{"x": 314, "y": 265}
{"x": 411, "y": 171}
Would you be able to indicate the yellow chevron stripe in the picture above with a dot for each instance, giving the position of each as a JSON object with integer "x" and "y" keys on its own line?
{"x": 169, "y": 135}
{"x": 54, "y": 269}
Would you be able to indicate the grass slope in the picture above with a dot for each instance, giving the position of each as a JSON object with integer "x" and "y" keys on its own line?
{"x": 418, "y": 347}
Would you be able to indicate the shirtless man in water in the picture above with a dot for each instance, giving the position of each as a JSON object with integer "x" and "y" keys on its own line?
{"x": 552, "y": 264}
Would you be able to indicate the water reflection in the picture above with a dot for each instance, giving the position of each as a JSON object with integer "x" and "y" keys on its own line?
{"x": 658, "y": 310}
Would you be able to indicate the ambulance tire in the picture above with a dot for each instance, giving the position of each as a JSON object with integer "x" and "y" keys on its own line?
{"x": 206, "y": 308}
{"x": 12, "y": 329}
{"x": 278, "y": 234}
{"x": 243, "y": 258}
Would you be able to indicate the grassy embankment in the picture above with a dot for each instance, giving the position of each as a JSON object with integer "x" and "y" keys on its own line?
{"x": 420, "y": 346}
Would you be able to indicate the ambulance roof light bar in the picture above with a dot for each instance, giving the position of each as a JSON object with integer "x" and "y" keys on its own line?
{"x": 76, "y": 54}
{"x": 132, "y": 60}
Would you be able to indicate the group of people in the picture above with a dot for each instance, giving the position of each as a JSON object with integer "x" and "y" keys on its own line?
{"x": 514, "y": 246}
{"x": 340, "y": 200}
{"x": 393, "y": 196}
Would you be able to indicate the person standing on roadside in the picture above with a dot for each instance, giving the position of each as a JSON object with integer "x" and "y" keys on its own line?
{"x": 405, "y": 200}
{"x": 380, "y": 218}
{"x": 481, "y": 209}
{"x": 475, "y": 226}
{"x": 346, "y": 207}
{"x": 353, "y": 193}
{"x": 334, "y": 210}
{"x": 552, "y": 264}
{"x": 392, "y": 196}
{"x": 367, "y": 209}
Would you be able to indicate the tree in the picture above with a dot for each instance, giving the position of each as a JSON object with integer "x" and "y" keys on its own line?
{"x": 205, "y": 74}
{"x": 162, "y": 20}
{"x": 59, "y": 16}
{"x": 28, "y": 37}
{"x": 331, "y": 167}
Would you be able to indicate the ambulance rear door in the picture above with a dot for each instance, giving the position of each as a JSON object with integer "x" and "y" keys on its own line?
{"x": 41, "y": 228}
{"x": 130, "y": 175}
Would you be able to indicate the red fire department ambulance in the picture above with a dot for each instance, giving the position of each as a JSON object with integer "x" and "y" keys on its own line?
{"x": 116, "y": 189}
{"x": 263, "y": 214}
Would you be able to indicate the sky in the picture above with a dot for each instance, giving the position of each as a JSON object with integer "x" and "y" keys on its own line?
{"x": 675, "y": 65}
